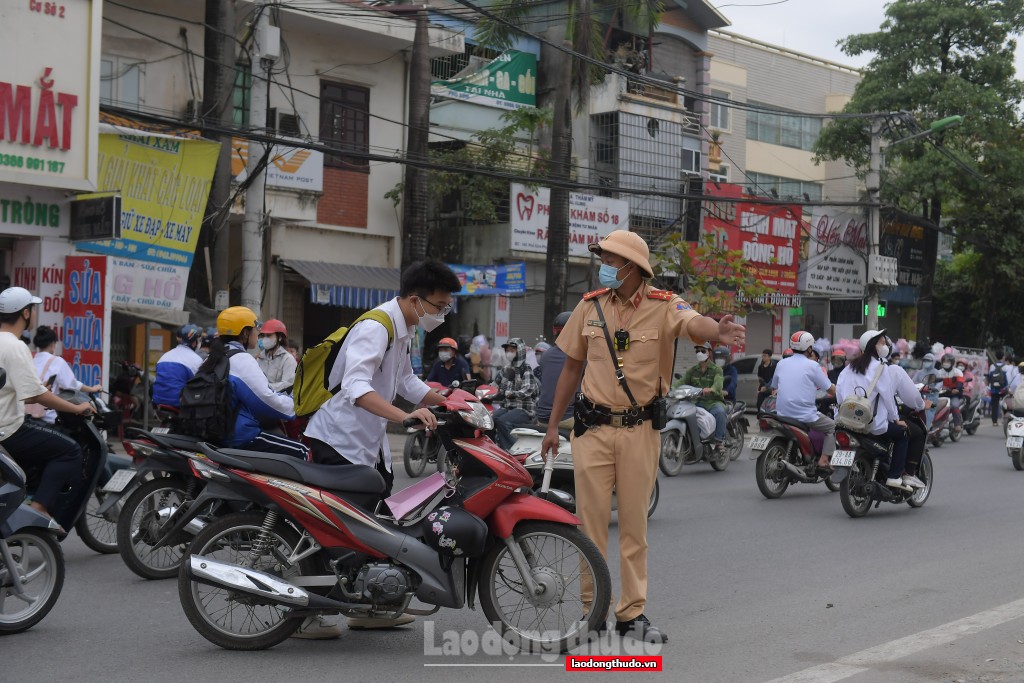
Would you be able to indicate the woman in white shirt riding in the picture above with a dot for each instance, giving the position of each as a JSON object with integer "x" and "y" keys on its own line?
{"x": 49, "y": 365}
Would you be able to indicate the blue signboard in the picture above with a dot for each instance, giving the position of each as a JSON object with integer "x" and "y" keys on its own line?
{"x": 504, "y": 280}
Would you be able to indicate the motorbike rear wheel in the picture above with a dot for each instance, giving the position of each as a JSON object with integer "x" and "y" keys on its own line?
{"x": 771, "y": 481}
{"x": 139, "y": 527}
{"x": 719, "y": 460}
{"x": 1017, "y": 456}
{"x": 564, "y": 562}
{"x": 40, "y": 560}
{"x": 671, "y": 460}
{"x": 97, "y": 531}
{"x": 414, "y": 456}
{"x": 229, "y": 620}
{"x": 831, "y": 485}
{"x": 734, "y": 439}
{"x": 924, "y": 473}
{"x": 955, "y": 434}
{"x": 851, "y": 491}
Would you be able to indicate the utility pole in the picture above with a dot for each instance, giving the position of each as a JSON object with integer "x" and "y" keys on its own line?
{"x": 873, "y": 181}
{"x": 265, "y": 51}
{"x": 414, "y": 206}
{"x": 556, "y": 275}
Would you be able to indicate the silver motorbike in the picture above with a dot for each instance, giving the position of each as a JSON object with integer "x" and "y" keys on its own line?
{"x": 681, "y": 442}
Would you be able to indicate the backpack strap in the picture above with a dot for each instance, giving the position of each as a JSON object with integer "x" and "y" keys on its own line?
{"x": 381, "y": 317}
{"x": 373, "y": 314}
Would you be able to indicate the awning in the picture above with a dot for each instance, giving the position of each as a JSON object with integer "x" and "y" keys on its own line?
{"x": 350, "y": 286}
{"x": 153, "y": 314}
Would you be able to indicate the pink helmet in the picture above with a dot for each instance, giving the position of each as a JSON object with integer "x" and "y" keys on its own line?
{"x": 272, "y": 326}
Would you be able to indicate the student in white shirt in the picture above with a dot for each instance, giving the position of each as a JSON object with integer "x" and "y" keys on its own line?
{"x": 48, "y": 365}
{"x": 798, "y": 379}
{"x": 859, "y": 374}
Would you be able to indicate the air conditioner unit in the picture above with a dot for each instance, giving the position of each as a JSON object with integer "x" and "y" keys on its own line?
{"x": 194, "y": 110}
{"x": 285, "y": 123}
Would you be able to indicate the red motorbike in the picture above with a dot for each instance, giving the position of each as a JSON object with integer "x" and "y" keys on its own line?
{"x": 422, "y": 447}
{"x": 323, "y": 541}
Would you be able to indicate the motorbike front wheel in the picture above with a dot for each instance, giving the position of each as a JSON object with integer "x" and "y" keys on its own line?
{"x": 671, "y": 460}
{"x": 854, "y": 491}
{"x": 232, "y": 620}
{"x": 1017, "y": 456}
{"x": 414, "y": 456}
{"x": 39, "y": 561}
{"x": 772, "y": 480}
{"x": 734, "y": 440}
{"x": 140, "y": 526}
{"x": 955, "y": 434}
{"x": 924, "y": 473}
{"x": 97, "y": 531}
{"x": 574, "y": 582}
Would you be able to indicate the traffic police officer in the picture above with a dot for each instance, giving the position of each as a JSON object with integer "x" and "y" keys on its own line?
{"x": 615, "y": 445}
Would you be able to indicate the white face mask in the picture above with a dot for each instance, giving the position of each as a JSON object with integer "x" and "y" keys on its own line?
{"x": 269, "y": 343}
{"x": 720, "y": 362}
{"x": 429, "y": 321}
{"x": 445, "y": 356}
{"x": 883, "y": 351}
{"x": 511, "y": 355}
{"x": 701, "y": 357}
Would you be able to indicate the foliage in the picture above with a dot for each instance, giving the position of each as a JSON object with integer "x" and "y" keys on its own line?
{"x": 495, "y": 149}
{"x": 710, "y": 276}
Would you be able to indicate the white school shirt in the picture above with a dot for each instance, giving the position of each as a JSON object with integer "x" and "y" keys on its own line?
{"x": 798, "y": 378}
{"x": 905, "y": 388}
{"x": 366, "y": 364}
{"x": 66, "y": 380}
{"x": 22, "y": 383}
{"x": 885, "y": 408}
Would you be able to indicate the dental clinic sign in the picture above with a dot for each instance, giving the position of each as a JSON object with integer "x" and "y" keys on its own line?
{"x": 590, "y": 219}
{"x": 49, "y": 87}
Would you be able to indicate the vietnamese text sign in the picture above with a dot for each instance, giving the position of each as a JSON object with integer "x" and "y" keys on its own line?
{"x": 836, "y": 253}
{"x": 507, "y": 279}
{"x": 49, "y": 92}
{"x": 509, "y": 81}
{"x": 590, "y": 219}
{"x": 96, "y": 218}
{"x": 767, "y": 235}
{"x": 290, "y": 167}
{"x": 33, "y": 212}
{"x": 85, "y": 306}
{"x": 142, "y": 283}
{"x": 501, "y": 320}
{"x": 904, "y": 242}
{"x": 164, "y": 183}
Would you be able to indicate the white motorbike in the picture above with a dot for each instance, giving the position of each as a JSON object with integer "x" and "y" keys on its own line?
{"x": 1015, "y": 441}
{"x": 553, "y": 477}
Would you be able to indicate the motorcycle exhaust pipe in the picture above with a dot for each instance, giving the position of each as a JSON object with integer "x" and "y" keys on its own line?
{"x": 194, "y": 526}
{"x": 260, "y": 584}
{"x": 796, "y": 472}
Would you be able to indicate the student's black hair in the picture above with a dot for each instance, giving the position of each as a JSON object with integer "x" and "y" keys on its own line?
{"x": 1000, "y": 354}
{"x": 860, "y": 363}
{"x": 423, "y": 278}
{"x": 766, "y": 352}
{"x": 44, "y": 337}
{"x": 11, "y": 318}
{"x": 218, "y": 349}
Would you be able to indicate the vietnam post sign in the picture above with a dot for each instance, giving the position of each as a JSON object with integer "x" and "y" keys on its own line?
{"x": 503, "y": 280}
{"x": 164, "y": 183}
{"x": 509, "y": 81}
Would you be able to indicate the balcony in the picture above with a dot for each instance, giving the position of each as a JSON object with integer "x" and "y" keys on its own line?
{"x": 629, "y": 94}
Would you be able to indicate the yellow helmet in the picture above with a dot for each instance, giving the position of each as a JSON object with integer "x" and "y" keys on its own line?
{"x": 232, "y": 321}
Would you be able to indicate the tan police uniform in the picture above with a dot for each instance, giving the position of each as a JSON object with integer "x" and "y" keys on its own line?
{"x": 624, "y": 458}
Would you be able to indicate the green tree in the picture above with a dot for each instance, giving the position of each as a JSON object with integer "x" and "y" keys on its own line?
{"x": 932, "y": 60}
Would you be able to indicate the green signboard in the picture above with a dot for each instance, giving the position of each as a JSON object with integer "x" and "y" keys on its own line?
{"x": 509, "y": 81}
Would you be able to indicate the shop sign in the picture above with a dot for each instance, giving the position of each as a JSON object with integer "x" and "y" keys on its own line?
{"x": 293, "y": 168}
{"x": 142, "y": 283}
{"x": 49, "y": 104}
{"x": 836, "y": 259}
{"x": 96, "y": 218}
{"x": 164, "y": 183}
{"x": 33, "y": 212}
{"x": 509, "y": 81}
{"x": 507, "y": 279}
{"x": 85, "y": 316}
{"x": 768, "y": 235}
{"x": 904, "y": 241}
{"x": 590, "y": 219}
{"x": 501, "y": 320}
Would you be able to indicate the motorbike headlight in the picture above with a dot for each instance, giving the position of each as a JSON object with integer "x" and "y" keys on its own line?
{"x": 479, "y": 417}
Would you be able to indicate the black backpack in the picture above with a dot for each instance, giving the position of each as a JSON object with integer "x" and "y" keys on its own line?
{"x": 997, "y": 379}
{"x": 205, "y": 409}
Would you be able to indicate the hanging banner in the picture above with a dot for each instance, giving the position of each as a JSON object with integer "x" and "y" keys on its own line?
{"x": 768, "y": 235}
{"x": 590, "y": 219}
{"x": 85, "y": 316}
{"x": 141, "y": 283}
{"x": 164, "y": 182}
{"x": 836, "y": 259}
{"x": 509, "y": 81}
{"x": 507, "y": 279}
{"x": 501, "y": 320}
{"x": 293, "y": 168}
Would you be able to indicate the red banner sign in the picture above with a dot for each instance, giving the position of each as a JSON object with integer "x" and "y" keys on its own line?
{"x": 768, "y": 235}
{"x": 84, "y": 306}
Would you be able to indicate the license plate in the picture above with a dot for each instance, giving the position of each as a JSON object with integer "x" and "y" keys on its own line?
{"x": 843, "y": 458}
{"x": 160, "y": 430}
{"x": 119, "y": 481}
{"x": 759, "y": 443}
{"x": 1015, "y": 442}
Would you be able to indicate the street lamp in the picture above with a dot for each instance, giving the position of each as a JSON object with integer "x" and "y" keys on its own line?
{"x": 875, "y": 261}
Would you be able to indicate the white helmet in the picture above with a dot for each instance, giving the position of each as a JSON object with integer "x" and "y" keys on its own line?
{"x": 801, "y": 341}
{"x": 867, "y": 337}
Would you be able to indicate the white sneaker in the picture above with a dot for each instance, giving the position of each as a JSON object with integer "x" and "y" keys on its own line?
{"x": 317, "y": 628}
{"x": 897, "y": 484}
{"x": 360, "y": 623}
{"x": 914, "y": 482}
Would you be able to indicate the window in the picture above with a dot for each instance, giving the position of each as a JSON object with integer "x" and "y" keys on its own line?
{"x": 121, "y": 82}
{"x": 779, "y": 129}
{"x": 345, "y": 123}
{"x": 719, "y": 112}
{"x": 691, "y": 159}
{"x": 784, "y": 187}
{"x": 241, "y": 94}
{"x": 719, "y": 176}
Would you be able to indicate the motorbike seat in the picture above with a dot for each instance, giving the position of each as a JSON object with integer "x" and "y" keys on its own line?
{"x": 788, "y": 421}
{"x": 175, "y": 441}
{"x": 343, "y": 478}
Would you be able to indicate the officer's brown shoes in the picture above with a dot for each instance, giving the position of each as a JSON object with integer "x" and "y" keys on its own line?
{"x": 640, "y": 628}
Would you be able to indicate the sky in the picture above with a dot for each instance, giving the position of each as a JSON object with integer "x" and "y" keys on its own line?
{"x": 812, "y": 26}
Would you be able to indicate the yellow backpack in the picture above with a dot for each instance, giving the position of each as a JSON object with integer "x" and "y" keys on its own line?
{"x": 311, "y": 376}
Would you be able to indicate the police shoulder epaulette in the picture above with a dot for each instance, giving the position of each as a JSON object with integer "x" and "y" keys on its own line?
{"x": 661, "y": 294}
{"x": 596, "y": 293}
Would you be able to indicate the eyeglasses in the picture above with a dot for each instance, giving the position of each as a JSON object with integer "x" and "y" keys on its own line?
{"x": 443, "y": 310}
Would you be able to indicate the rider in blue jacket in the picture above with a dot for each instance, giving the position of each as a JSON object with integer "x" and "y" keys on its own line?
{"x": 176, "y": 367}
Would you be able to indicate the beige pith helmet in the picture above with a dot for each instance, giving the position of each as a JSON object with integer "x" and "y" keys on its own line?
{"x": 629, "y": 246}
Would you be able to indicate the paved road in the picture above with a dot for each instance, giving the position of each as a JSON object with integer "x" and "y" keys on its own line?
{"x": 749, "y": 590}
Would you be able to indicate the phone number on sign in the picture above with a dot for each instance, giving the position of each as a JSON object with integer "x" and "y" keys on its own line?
{"x": 31, "y": 163}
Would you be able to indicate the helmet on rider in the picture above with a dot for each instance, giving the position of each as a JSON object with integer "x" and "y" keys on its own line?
{"x": 838, "y": 358}
{"x": 947, "y": 361}
{"x": 190, "y": 335}
{"x": 560, "y": 321}
{"x": 703, "y": 351}
{"x": 870, "y": 340}
{"x": 722, "y": 356}
{"x": 273, "y": 326}
{"x": 787, "y": 353}
{"x": 801, "y": 341}
{"x": 232, "y": 321}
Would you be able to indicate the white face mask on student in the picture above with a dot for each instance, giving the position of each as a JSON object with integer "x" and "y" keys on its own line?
{"x": 511, "y": 355}
{"x": 720, "y": 362}
{"x": 445, "y": 356}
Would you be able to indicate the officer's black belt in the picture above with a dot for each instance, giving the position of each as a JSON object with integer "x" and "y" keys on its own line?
{"x": 600, "y": 415}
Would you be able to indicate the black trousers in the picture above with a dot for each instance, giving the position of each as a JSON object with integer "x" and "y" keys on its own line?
{"x": 324, "y": 454}
{"x": 266, "y": 442}
{"x": 915, "y": 446}
{"x": 52, "y": 462}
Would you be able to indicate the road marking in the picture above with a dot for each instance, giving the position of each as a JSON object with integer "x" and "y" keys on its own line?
{"x": 865, "y": 660}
